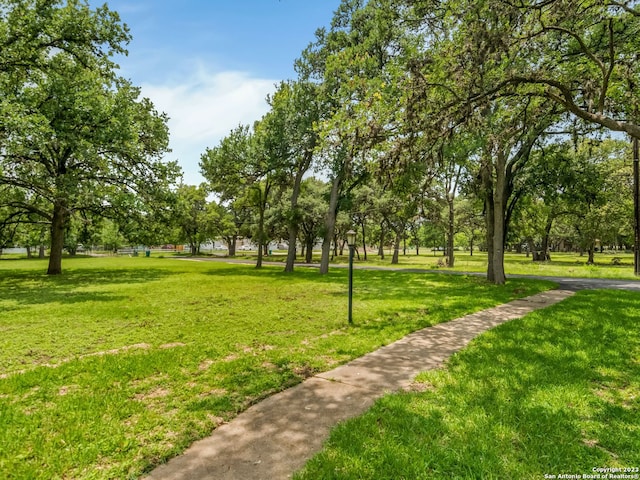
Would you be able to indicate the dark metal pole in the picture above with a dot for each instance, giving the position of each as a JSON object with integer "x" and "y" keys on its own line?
{"x": 351, "y": 248}
{"x": 636, "y": 209}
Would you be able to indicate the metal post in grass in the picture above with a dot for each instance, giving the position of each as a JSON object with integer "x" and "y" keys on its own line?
{"x": 351, "y": 241}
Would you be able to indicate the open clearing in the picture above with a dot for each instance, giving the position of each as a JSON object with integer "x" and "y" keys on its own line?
{"x": 121, "y": 363}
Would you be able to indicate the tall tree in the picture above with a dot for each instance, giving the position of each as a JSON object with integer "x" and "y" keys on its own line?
{"x": 313, "y": 207}
{"x": 249, "y": 165}
{"x": 452, "y": 157}
{"x": 194, "y": 216}
{"x": 362, "y": 211}
{"x": 233, "y": 217}
{"x": 350, "y": 63}
{"x": 230, "y": 171}
{"x": 291, "y": 128}
{"x": 75, "y": 137}
{"x": 597, "y": 205}
{"x": 456, "y": 58}
{"x": 511, "y": 138}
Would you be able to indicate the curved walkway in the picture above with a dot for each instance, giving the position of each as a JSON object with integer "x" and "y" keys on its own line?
{"x": 274, "y": 438}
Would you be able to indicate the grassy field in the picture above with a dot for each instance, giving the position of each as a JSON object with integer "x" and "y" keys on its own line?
{"x": 557, "y": 392}
{"x": 561, "y": 264}
{"x": 121, "y": 363}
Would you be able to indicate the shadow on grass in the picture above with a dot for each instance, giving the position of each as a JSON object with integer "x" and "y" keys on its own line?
{"x": 431, "y": 292}
{"x": 34, "y": 287}
{"x": 388, "y": 282}
{"x": 273, "y": 272}
{"x": 429, "y": 298}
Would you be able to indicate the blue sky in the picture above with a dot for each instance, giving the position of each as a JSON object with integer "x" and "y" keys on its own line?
{"x": 209, "y": 64}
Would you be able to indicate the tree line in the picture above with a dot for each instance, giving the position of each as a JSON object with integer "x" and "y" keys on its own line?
{"x": 500, "y": 123}
{"x": 446, "y": 110}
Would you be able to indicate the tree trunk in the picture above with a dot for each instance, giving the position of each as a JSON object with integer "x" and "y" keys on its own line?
{"x": 293, "y": 226}
{"x": 545, "y": 239}
{"x": 57, "y": 239}
{"x": 487, "y": 184}
{"x": 309, "y": 252}
{"x": 531, "y": 247}
{"x": 364, "y": 244}
{"x": 499, "y": 211}
{"x": 489, "y": 233}
{"x": 28, "y": 251}
{"x": 263, "y": 192}
{"x": 396, "y": 249}
{"x": 330, "y": 224}
{"x": 231, "y": 243}
{"x": 591, "y": 260}
{"x": 41, "y": 245}
{"x": 260, "y": 239}
{"x": 382, "y": 237}
{"x": 450, "y": 233}
{"x": 495, "y": 199}
{"x": 234, "y": 245}
{"x": 292, "y": 252}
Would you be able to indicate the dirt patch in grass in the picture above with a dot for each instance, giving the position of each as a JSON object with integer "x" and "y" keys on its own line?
{"x": 329, "y": 361}
{"x": 215, "y": 392}
{"x": 114, "y": 351}
{"x": 155, "y": 393}
{"x": 172, "y": 345}
{"x": 67, "y": 389}
{"x": 204, "y": 365}
{"x": 147, "y": 381}
{"x": 269, "y": 366}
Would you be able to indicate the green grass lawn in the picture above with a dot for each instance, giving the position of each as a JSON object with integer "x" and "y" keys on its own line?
{"x": 121, "y": 363}
{"x": 561, "y": 264}
{"x": 557, "y": 392}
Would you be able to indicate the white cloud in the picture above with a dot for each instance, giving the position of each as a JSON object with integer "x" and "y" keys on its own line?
{"x": 204, "y": 107}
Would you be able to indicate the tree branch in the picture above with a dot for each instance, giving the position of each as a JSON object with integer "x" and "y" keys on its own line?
{"x": 583, "y": 45}
{"x": 565, "y": 98}
{"x": 626, "y": 8}
{"x": 607, "y": 74}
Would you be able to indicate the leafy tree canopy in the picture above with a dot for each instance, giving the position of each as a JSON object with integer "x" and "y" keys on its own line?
{"x": 75, "y": 137}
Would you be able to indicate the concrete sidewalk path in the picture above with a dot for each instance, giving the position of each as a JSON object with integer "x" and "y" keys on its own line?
{"x": 274, "y": 438}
